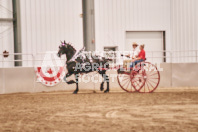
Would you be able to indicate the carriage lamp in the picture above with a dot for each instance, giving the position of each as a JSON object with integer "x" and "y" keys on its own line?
{"x": 5, "y": 54}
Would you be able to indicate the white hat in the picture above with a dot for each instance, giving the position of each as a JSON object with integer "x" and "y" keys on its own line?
{"x": 134, "y": 43}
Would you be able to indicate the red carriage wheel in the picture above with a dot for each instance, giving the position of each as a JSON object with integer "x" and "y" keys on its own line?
{"x": 124, "y": 80}
{"x": 151, "y": 77}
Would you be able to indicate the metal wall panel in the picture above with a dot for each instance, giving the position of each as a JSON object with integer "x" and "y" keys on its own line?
{"x": 184, "y": 28}
{"x": 114, "y": 17}
{"x": 6, "y": 9}
{"x": 178, "y": 18}
{"x": 6, "y": 31}
{"x": 46, "y": 22}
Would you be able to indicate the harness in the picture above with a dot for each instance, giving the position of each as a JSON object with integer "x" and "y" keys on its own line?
{"x": 78, "y": 54}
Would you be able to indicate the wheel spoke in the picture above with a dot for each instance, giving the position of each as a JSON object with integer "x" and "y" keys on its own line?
{"x": 153, "y": 78}
{"x": 152, "y": 74}
{"x": 125, "y": 78}
{"x": 131, "y": 88}
{"x": 151, "y": 85}
{"x": 135, "y": 81}
{"x": 125, "y": 83}
{"x": 148, "y": 86}
{"x": 128, "y": 84}
{"x": 152, "y": 81}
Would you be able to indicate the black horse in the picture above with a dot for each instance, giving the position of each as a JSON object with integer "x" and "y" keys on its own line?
{"x": 79, "y": 63}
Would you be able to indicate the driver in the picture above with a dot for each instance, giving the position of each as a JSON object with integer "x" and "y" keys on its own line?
{"x": 135, "y": 52}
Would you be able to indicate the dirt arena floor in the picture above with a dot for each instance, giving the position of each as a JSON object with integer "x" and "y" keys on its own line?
{"x": 63, "y": 111}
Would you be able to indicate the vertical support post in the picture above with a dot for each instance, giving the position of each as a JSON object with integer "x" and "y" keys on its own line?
{"x": 17, "y": 31}
{"x": 88, "y": 24}
{"x": 164, "y": 46}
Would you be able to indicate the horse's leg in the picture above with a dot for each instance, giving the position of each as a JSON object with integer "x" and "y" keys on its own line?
{"x": 107, "y": 80}
{"x": 67, "y": 75}
{"x": 102, "y": 84}
{"x": 76, "y": 77}
{"x": 68, "y": 82}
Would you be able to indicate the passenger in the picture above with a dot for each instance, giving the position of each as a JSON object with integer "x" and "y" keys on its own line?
{"x": 140, "y": 58}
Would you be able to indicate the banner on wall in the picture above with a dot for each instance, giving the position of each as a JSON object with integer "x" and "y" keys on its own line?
{"x": 52, "y": 70}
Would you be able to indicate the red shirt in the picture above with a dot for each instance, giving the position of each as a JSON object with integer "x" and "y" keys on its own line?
{"x": 142, "y": 54}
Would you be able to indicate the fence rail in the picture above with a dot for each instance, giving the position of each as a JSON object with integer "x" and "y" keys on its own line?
{"x": 31, "y": 60}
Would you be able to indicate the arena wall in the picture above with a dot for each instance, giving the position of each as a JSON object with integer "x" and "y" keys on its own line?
{"x": 16, "y": 80}
{"x": 184, "y": 75}
{"x": 165, "y": 75}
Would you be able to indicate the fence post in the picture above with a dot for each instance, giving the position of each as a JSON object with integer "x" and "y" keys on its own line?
{"x": 3, "y": 61}
{"x": 33, "y": 60}
{"x": 171, "y": 60}
{"x": 152, "y": 57}
{"x": 33, "y": 63}
{"x": 171, "y": 57}
{"x": 3, "y": 91}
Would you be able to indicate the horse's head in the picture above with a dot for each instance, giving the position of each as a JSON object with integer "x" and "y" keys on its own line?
{"x": 62, "y": 49}
{"x": 66, "y": 48}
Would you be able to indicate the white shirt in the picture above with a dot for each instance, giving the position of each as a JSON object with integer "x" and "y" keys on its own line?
{"x": 135, "y": 52}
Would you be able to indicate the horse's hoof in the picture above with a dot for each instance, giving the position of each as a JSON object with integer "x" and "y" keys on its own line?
{"x": 106, "y": 91}
{"x": 75, "y": 92}
{"x": 101, "y": 88}
{"x": 71, "y": 82}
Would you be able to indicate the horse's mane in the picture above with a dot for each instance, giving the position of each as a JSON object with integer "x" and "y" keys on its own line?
{"x": 71, "y": 51}
{"x": 71, "y": 47}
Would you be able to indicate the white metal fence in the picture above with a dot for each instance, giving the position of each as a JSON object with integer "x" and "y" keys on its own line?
{"x": 32, "y": 60}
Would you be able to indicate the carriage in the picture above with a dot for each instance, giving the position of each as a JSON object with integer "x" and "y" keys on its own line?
{"x": 143, "y": 78}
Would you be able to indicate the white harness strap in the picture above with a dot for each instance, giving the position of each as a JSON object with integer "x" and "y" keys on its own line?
{"x": 77, "y": 54}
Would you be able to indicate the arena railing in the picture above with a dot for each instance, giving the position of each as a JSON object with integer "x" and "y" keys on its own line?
{"x": 32, "y": 60}
{"x": 15, "y": 59}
